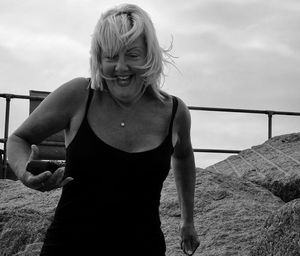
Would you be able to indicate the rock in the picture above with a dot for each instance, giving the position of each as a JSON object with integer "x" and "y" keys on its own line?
{"x": 233, "y": 200}
{"x": 281, "y": 232}
{"x": 229, "y": 213}
{"x": 274, "y": 165}
{"x": 25, "y": 214}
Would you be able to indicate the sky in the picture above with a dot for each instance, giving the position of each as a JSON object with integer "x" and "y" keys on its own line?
{"x": 228, "y": 53}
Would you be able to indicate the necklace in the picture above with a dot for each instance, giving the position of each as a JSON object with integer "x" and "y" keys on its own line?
{"x": 128, "y": 111}
{"x": 126, "y": 117}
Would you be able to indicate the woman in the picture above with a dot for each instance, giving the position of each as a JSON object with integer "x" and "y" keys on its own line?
{"x": 121, "y": 133}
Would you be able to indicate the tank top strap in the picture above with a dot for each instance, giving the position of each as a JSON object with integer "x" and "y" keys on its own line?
{"x": 91, "y": 92}
{"x": 174, "y": 110}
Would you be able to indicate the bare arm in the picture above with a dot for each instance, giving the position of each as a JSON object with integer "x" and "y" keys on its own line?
{"x": 183, "y": 164}
{"x": 52, "y": 115}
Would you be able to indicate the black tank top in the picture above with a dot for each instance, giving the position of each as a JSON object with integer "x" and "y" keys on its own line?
{"x": 112, "y": 189}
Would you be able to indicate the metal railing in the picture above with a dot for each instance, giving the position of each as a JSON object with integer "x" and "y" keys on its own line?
{"x": 8, "y": 98}
{"x": 269, "y": 113}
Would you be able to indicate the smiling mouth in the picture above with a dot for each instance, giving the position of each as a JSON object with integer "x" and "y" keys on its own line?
{"x": 124, "y": 80}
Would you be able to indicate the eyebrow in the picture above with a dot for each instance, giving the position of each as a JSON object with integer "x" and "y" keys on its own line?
{"x": 135, "y": 47}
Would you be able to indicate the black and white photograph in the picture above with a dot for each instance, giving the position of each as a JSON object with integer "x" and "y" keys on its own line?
{"x": 149, "y": 128}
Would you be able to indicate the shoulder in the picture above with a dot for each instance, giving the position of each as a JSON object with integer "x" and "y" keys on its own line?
{"x": 65, "y": 101}
{"x": 181, "y": 110}
{"x": 73, "y": 89}
{"x": 69, "y": 94}
{"x": 182, "y": 116}
{"x": 55, "y": 112}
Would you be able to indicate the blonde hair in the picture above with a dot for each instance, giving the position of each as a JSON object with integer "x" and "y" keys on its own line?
{"x": 119, "y": 27}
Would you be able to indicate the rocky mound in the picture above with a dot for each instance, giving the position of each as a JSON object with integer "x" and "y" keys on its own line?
{"x": 236, "y": 211}
{"x": 25, "y": 214}
{"x": 280, "y": 234}
{"x": 274, "y": 165}
{"x": 229, "y": 214}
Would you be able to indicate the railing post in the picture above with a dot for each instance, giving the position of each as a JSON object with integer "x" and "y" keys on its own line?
{"x": 270, "y": 115}
{"x": 7, "y": 111}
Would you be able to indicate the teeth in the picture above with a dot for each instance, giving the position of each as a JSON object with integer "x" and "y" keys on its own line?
{"x": 123, "y": 77}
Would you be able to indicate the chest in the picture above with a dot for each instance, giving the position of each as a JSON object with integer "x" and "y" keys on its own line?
{"x": 135, "y": 131}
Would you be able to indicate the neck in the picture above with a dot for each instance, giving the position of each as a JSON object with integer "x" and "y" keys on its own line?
{"x": 128, "y": 104}
{"x": 126, "y": 109}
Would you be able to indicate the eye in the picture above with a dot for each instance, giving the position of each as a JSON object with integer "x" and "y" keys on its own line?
{"x": 110, "y": 57}
{"x": 133, "y": 55}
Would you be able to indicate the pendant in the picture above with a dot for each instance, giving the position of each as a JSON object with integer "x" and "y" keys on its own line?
{"x": 122, "y": 124}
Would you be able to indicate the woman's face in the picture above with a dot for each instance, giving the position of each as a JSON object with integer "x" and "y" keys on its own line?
{"x": 125, "y": 82}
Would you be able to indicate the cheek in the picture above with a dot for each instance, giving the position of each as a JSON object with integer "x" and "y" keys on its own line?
{"x": 107, "y": 69}
{"x": 138, "y": 70}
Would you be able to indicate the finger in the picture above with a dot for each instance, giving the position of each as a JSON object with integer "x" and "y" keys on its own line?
{"x": 187, "y": 248}
{"x": 181, "y": 245}
{"x": 66, "y": 181}
{"x": 37, "y": 181}
{"x": 42, "y": 187}
{"x": 56, "y": 178}
{"x": 34, "y": 153}
{"x": 194, "y": 245}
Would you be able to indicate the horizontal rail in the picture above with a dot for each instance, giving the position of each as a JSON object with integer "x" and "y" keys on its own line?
{"x": 16, "y": 96}
{"x": 250, "y": 111}
{"x": 53, "y": 143}
{"x": 205, "y": 150}
{"x": 233, "y": 110}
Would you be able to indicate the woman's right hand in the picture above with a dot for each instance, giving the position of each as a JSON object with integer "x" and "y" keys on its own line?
{"x": 44, "y": 181}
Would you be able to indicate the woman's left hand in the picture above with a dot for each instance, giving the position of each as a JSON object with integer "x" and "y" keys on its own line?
{"x": 189, "y": 239}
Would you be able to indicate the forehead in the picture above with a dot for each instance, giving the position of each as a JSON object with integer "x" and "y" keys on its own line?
{"x": 139, "y": 42}
{"x": 113, "y": 47}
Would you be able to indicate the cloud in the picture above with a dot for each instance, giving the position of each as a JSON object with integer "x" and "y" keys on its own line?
{"x": 247, "y": 24}
{"x": 33, "y": 47}
{"x": 233, "y": 53}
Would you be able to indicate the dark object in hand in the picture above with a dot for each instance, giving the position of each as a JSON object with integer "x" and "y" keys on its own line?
{"x": 37, "y": 166}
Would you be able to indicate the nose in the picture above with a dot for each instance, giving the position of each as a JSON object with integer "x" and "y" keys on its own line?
{"x": 121, "y": 64}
